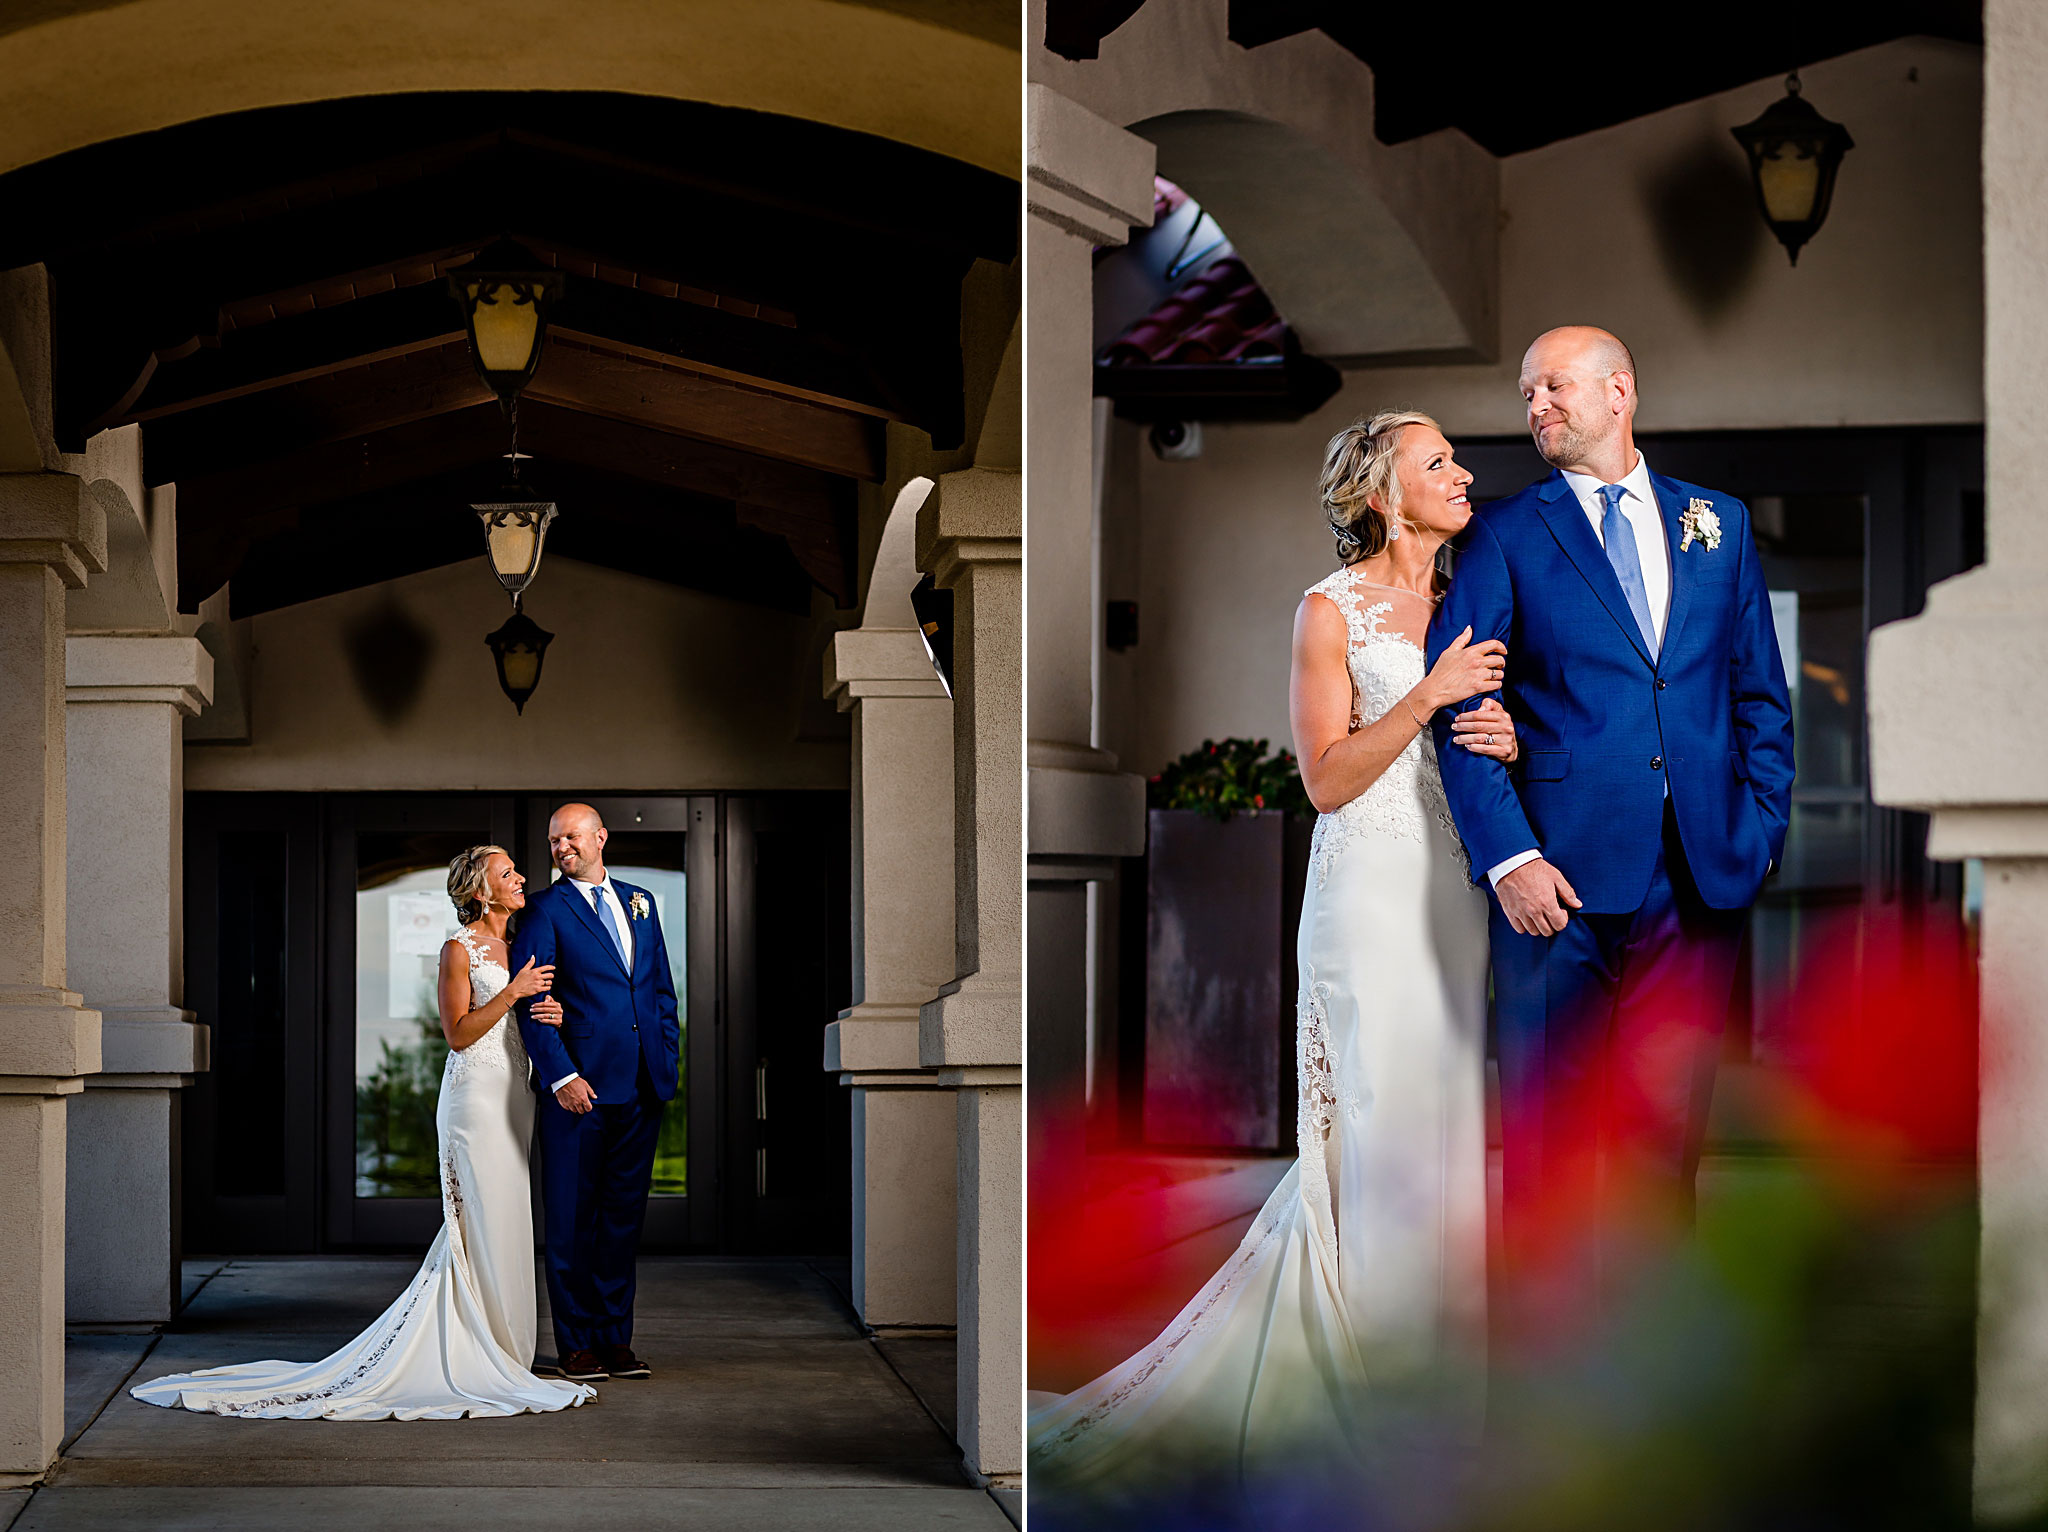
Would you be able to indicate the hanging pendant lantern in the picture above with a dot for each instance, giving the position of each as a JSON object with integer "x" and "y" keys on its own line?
{"x": 515, "y": 534}
{"x": 505, "y": 295}
{"x": 1794, "y": 153}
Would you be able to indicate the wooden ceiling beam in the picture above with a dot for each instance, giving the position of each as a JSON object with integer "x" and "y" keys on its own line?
{"x": 339, "y": 406}
{"x": 379, "y": 396}
{"x": 328, "y": 472}
{"x": 685, "y": 540}
{"x": 671, "y": 398}
{"x": 392, "y": 323}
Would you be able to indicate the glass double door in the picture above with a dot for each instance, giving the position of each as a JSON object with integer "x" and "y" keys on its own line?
{"x": 315, "y": 924}
{"x": 389, "y": 917}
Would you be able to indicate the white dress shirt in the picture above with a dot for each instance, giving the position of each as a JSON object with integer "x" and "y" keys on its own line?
{"x": 1645, "y": 519}
{"x": 604, "y": 902}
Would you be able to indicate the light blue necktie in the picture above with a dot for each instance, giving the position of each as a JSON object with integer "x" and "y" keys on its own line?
{"x": 1620, "y": 538}
{"x": 605, "y": 918}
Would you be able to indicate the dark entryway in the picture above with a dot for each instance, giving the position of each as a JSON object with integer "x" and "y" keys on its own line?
{"x": 314, "y": 922}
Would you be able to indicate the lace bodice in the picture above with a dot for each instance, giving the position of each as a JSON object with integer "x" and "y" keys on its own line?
{"x": 500, "y": 1047}
{"x": 1384, "y": 666}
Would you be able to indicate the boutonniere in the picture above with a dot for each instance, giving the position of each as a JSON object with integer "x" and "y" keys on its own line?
{"x": 639, "y": 906}
{"x": 1701, "y": 522}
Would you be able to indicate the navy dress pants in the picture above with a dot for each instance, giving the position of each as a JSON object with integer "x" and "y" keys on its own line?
{"x": 596, "y": 1170}
{"x": 1608, "y": 1036}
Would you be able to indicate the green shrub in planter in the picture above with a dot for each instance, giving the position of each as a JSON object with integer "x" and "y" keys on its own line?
{"x": 1231, "y": 776}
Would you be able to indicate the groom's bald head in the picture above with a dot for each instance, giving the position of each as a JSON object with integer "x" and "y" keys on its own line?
{"x": 1579, "y": 382}
{"x": 1588, "y": 347}
{"x": 576, "y": 837}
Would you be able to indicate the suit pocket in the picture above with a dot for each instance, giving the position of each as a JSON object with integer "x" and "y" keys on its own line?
{"x": 1545, "y": 765}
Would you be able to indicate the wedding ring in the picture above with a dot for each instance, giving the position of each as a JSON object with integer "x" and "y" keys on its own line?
{"x": 1489, "y": 739}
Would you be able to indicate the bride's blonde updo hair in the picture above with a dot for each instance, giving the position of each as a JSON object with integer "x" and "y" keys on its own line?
{"x": 1358, "y": 465}
{"x": 466, "y": 877}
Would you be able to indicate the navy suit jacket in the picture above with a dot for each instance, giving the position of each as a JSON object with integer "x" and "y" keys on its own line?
{"x": 611, "y": 1019}
{"x": 1603, "y": 726}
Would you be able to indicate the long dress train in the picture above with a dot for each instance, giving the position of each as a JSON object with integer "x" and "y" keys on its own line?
{"x": 1353, "y": 1313}
{"x": 460, "y": 1339}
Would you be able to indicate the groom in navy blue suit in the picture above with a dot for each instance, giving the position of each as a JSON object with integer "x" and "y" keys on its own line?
{"x": 1649, "y": 801}
{"x": 603, "y": 1078}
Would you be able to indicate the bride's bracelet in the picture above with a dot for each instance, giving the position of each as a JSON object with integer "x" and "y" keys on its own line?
{"x": 1411, "y": 711}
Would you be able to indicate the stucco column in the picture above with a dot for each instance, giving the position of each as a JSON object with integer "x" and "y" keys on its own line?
{"x": 126, "y": 702}
{"x": 1974, "y": 668}
{"x": 1088, "y": 181}
{"x": 904, "y": 1162}
{"x": 51, "y": 537}
{"x": 970, "y": 536}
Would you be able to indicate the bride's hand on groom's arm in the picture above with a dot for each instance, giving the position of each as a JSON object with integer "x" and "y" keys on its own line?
{"x": 534, "y": 979}
{"x": 1487, "y": 730}
{"x": 1463, "y": 671}
{"x": 547, "y": 1011}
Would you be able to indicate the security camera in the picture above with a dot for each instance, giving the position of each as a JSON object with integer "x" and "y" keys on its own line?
{"x": 1177, "y": 440}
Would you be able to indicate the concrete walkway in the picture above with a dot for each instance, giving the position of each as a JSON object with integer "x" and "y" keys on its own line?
{"x": 769, "y": 1408}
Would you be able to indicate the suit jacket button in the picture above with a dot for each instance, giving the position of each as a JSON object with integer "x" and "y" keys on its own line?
{"x": 1662, "y": 683}
{"x": 1656, "y": 763}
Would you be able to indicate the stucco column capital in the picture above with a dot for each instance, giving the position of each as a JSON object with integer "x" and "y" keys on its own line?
{"x": 161, "y": 668}
{"x": 1930, "y": 688}
{"x": 46, "y": 1034}
{"x": 1083, "y": 173}
{"x": 879, "y": 662}
{"x": 975, "y": 516}
{"x": 47, "y": 518}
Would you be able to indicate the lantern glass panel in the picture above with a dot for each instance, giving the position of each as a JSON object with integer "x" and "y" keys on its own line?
{"x": 515, "y": 546}
{"x": 506, "y": 326}
{"x": 1788, "y": 174}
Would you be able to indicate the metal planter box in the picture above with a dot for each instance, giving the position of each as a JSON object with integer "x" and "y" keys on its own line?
{"x": 1222, "y": 903}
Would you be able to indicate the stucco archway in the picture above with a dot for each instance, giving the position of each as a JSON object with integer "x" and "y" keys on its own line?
{"x": 919, "y": 73}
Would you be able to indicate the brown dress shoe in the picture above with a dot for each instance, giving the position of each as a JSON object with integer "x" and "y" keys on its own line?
{"x": 584, "y": 1367}
{"x": 623, "y": 1364}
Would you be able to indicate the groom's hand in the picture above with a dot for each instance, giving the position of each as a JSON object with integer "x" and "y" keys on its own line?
{"x": 1536, "y": 899}
{"x": 577, "y": 1096}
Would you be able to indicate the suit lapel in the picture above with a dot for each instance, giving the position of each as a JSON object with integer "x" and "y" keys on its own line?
{"x": 1673, "y": 505}
{"x": 626, "y": 891}
{"x": 1566, "y": 519}
{"x": 575, "y": 895}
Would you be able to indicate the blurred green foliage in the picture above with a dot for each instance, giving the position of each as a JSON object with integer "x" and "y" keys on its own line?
{"x": 398, "y": 1152}
{"x": 1231, "y": 776}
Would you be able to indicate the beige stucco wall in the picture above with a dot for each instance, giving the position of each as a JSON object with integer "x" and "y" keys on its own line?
{"x": 1880, "y": 324}
{"x": 646, "y": 686}
{"x": 1641, "y": 228}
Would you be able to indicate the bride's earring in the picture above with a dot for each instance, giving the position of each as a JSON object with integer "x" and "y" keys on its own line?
{"x": 1393, "y": 530}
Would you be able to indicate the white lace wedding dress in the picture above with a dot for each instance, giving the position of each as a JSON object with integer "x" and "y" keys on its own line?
{"x": 459, "y": 1340}
{"x": 1352, "y": 1317}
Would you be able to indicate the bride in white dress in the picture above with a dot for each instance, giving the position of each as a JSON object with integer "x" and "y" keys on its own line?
{"x": 459, "y": 1340}
{"x": 1352, "y": 1318}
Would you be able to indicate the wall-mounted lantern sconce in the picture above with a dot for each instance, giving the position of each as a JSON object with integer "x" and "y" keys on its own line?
{"x": 1794, "y": 153}
{"x": 519, "y": 647}
{"x": 505, "y": 295}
